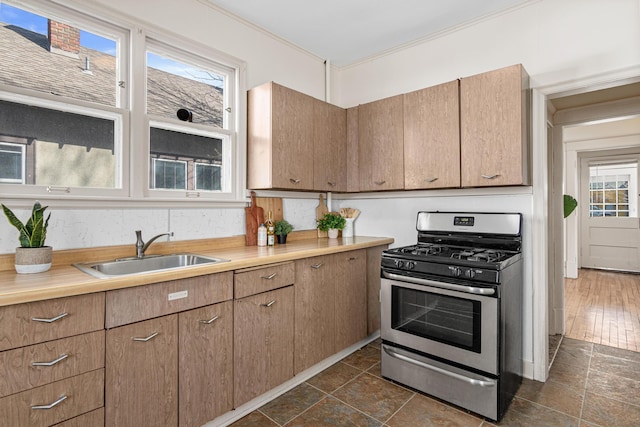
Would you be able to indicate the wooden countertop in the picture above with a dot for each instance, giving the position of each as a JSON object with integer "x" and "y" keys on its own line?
{"x": 67, "y": 280}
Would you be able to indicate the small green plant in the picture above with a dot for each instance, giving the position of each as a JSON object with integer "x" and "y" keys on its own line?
{"x": 282, "y": 227}
{"x": 331, "y": 220}
{"x": 34, "y": 232}
{"x": 569, "y": 205}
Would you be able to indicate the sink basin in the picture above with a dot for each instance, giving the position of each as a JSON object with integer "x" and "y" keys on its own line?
{"x": 148, "y": 264}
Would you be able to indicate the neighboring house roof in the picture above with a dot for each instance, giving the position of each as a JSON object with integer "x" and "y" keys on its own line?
{"x": 27, "y": 62}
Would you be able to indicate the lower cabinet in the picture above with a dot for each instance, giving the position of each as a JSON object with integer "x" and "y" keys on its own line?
{"x": 330, "y": 305}
{"x": 263, "y": 342}
{"x": 150, "y": 383}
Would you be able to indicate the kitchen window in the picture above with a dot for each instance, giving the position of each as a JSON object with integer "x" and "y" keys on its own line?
{"x": 108, "y": 111}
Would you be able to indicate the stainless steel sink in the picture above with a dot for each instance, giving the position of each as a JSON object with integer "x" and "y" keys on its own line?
{"x": 148, "y": 264}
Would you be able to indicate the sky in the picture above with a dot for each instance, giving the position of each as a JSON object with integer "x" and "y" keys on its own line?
{"x": 36, "y": 23}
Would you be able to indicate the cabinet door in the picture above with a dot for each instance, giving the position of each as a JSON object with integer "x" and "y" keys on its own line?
{"x": 206, "y": 363}
{"x": 329, "y": 147}
{"x": 142, "y": 374}
{"x": 380, "y": 142}
{"x": 314, "y": 311}
{"x": 353, "y": 169}
{"x": 494, "y": 128}
{"x": 292, "y": 133}
{"x": 350, "y": 297}
{"x": 263, "y": 343}
{"x": 432, "y": 138}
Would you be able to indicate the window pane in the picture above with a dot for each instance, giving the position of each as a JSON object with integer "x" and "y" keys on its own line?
{"x": 178, "y": 90}
{"x": 618, "y": 180}
{"x": 11, "y": 163}
{"x": 65, "y": 149}
{"x": 43, "y": 54}
{"x": 208, "y": 177}
{"x": 170, "y": 174}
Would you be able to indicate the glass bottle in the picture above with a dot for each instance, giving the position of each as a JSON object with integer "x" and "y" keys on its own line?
{"x": 271, "y": 236}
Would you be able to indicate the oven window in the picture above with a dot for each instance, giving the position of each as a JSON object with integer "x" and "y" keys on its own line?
{"x": 450, "y": 320}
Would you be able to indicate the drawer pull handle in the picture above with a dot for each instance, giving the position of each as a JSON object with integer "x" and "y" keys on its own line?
{"x": 380, "y": 182}
{"x": 210, "y": 321}
{"x": 491, "y": 176}
{"x": 294, "y": 181}
{"x": 316, "y": 266}
{"x": 149, "y": 338}
{"x": 431, "y": 179}
{"x": 53, "y": 319}
{"x": 51, "y": 405}
{"x": 269, "y": 277}
{"x": 53, "y": 362}
{"x": 269, "y": 304}
{"x": 353, "y": 258}
{"x": 331, "y": 184}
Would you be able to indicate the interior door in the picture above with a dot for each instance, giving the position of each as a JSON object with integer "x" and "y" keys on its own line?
{"x": 610, "y": 230}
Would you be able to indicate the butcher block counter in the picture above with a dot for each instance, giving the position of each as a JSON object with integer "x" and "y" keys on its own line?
{"x": 63, "y": 279}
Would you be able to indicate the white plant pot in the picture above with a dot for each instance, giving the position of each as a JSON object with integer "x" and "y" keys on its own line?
{"x": 333, "y": 233}
{"x": 33, "y": 260}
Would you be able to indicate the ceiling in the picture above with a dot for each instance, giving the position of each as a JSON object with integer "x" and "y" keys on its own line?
{"x": 348, "y": 31}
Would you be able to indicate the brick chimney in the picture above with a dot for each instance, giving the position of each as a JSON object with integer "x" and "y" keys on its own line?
{"x": 63, "y": 39}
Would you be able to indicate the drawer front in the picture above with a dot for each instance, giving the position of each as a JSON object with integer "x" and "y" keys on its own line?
{"x": 255, "y": 280}
{"x": 36, "y": 322}
{"x": 28, "y": 367}
{"x": 92, "y": 419}
{"x": 146, "y": 302}
{"x": 55, "y": 402}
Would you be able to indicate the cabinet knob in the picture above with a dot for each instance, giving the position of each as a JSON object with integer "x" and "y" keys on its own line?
{"x": 491, "y": 176}
{"x": 294, "y": 181}
{"x": 53, "y": 362}
{"x": 51, "y": 405}
{"x": 51, "y": 320}
{"x": 268, "y": 304}
{"x": 379, "y": 182}
{"x": 149, "y": 338}
{"x": 431, "y": 179}
{"x": 210, "y": 321}
{"x": 269, "y": 277}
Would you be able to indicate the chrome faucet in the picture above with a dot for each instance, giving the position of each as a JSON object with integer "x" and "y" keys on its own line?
{"x": 141, "y": 246}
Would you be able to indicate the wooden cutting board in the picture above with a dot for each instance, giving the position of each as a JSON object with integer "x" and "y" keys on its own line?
{"x": 273, "y": 204}
{"x": 320, "y": 211}
{"x": 254, "y": 216}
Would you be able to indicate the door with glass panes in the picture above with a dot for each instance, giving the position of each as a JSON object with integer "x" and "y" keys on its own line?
{"x": 608, "y": 207}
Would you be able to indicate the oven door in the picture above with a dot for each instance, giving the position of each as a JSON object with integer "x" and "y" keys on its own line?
{"x": 454, "y": 322}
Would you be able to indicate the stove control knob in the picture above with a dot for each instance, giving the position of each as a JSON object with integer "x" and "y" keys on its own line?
{"x": 455, "y": 271}
{"x": 410, "y": 265}
{"x": 399, "y": 263}
{"x": 470, "y": 273}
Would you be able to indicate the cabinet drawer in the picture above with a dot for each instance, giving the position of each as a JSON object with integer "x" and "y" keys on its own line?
{"x": 27, "y": 367}
{"x": 91, "y": 419}
{"x": 145, "y": 302}
{"x": 36, "y": 322}
{"x": 261, "y": 279}
{"x": 74, "y": 396}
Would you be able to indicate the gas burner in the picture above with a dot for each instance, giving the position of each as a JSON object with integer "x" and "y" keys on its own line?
{"x": 423, "y": 250}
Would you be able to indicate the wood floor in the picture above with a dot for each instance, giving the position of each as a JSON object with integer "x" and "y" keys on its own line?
{"x": 604, "y": 308}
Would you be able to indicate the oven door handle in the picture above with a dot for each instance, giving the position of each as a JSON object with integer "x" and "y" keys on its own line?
{"x": 472, "y": 381}
{"x": 450, "y": 286}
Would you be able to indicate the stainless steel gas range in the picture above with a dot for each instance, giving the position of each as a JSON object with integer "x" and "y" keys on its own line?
{"x": 451, "y": 310}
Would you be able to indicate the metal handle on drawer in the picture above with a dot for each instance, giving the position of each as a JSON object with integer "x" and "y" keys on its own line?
{"x": 331, "y": 184}
{"x": 472, "y": 381}
{"x": 53, "y": 362}
{"x": 150, "y": 337}
{"x": 51, "y": 405}
{"x": 491, "y": 176}
{"x": 269, "y": 304}
{"x": 353, "y": 258}
{"x": 294, "y": 181}
{"x": 434, "y": 179}
{"x": 210, "y": 321}
{"x": 53, "y": 319}
{"x": 316, "y": 266}
{"x": 379, "y": 182}
{"x": 269, "y": 277}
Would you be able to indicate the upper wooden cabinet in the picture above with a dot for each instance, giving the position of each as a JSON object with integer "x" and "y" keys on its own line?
{"x": 494, "y": 128}
{"x": 353, "y": 173}
{"x": 380, "y": 144}
{"x": 329, "y": 147}
{"x": 432, "y": 138}
{"x": 280, "y": 138}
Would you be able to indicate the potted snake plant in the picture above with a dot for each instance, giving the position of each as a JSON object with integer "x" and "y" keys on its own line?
{"x": 32, "y": 256}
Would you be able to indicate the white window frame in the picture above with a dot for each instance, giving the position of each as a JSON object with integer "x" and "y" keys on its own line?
{"x": 23, "y": 161}
{"x": 133, "y": 123}
{"x": 209, "y": 165}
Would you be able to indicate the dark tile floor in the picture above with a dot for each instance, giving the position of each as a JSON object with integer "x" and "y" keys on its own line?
{"x": 589, "y": 385}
